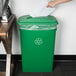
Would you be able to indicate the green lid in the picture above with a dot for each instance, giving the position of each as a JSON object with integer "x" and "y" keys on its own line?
{"x": 42, "y": 22}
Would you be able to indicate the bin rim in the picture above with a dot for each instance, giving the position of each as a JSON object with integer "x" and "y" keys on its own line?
{"x": 28, "y": 20}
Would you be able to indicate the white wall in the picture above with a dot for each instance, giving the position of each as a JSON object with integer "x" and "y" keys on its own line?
{"x": 66, "y": 15}
{"x": 66, "y": 33}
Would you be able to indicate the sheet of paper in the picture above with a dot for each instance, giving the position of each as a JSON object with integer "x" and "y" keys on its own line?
{"x": 42, "y": 10}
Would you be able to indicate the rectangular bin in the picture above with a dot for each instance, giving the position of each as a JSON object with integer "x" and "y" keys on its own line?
{"x": 37, "y": 42}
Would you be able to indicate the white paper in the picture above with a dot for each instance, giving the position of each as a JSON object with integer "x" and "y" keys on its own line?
{"x": 42, "y": 10}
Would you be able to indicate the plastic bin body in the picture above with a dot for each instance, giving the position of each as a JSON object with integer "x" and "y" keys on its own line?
{"x": 37, "y": 48}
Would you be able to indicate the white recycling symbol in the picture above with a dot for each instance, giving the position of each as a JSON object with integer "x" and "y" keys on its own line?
{"x": 38, "y": 41}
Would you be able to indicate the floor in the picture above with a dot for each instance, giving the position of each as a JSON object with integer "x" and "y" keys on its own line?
{"x": 60, "y": 69}
{"x": 2, "y": 68}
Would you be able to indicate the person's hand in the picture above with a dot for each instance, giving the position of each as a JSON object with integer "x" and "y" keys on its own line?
{"x": 51, "y": 4}
{"x": 56, "y": 2}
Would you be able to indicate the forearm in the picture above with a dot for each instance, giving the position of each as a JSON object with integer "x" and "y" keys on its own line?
{"x": 61, "y": 1}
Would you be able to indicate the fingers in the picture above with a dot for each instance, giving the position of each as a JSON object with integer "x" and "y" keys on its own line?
{"x": 51, "y": 4}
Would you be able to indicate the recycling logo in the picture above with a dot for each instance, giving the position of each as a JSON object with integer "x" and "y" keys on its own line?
{"x": 38, "y": 41}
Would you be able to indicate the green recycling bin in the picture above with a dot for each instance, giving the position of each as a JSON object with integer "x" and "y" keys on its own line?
{"x": 37, "y": 35}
